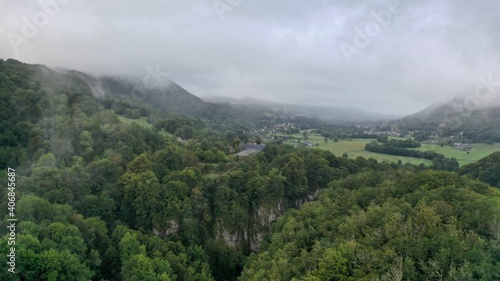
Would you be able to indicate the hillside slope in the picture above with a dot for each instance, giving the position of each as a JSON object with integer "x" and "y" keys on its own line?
{"x": 330, "y": 114}
{"x": 476, "y": 123}
{"x": 387, "y": 226}
{"x": 100, "y": 199}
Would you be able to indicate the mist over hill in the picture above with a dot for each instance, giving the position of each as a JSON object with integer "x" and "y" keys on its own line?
{"x": 232, "y": 140}
{"x": 477, "y": 118}
{"x": 168, "y": 96}
{"x": 164, "y": 97}
{"x": 331, "y": 114}
{"x": 117, "y": 180}
{"x": 459, "y": 106}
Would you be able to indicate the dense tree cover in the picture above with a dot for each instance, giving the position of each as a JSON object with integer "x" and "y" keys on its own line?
{"x": 182, "y": 126}
{"x": 407, "y": 143}
{"x": 80, "y": 174}
{"x": 486, "y": 169}
{"x": 344, "y": 132}
{"x": 393, "y": 225}
{"x": 439, "y": 161}
{"x": 127, "y": 109}
{"x": 484, "y": 126}
{"x": 101, "y": 200}
{"x": 55, "y": 243}
{"x": 400, "y": 151}
{"x": 476, "y": 125}
{"x": 72, "y": 155}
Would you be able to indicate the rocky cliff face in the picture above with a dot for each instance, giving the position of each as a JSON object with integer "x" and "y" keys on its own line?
{"x": 253, "y": 234}
{"x": 259, "y": 225}
{"x": 238, "y": 230}
{"x": 310, "y": 197}
{"x": 172, "y": 229}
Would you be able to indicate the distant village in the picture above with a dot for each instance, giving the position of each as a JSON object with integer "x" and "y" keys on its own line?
{"x": 280, "y": 127}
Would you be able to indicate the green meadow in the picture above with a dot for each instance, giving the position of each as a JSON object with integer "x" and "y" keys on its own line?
{"x": 143, "y": 122}
{"x": 478, "y": 151}
{"x": 356, "y": 148}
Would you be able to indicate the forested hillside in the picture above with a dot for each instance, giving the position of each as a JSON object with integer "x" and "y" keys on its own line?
{"x": 392, "y": 225}
{"x": 478, "y": 124}
{"x": 486, "y": 170}
{"x": 98, "y": 199}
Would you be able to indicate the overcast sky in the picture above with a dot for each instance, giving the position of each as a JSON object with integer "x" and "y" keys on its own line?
{"x": 389, "y": 56}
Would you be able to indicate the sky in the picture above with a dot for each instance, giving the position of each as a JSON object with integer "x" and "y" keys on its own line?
{"x": 387, "y": 56}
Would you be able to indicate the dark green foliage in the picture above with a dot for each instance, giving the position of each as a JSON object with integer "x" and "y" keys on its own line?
{"x": 408, "y": 143}
{"x": 101, "y": 200}
{"x": 439, "y": 161}
{"x": 486, "y": 169}
{"x": 225, "y": 261}
{"x": 456, "y": 118}
{"x": 386, "y": 148}
{"x": 418, "y": 226}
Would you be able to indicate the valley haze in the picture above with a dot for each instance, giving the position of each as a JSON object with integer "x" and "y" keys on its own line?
{"x": 403, "y": 56}
{"x": 249, "y": 140}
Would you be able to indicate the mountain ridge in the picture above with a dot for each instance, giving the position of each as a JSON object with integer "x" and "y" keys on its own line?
{"x": 326, "y": 113}
{"x": 475, "y": 121}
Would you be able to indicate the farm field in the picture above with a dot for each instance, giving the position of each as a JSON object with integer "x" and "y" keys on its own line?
{"x": 356, "y": 148}
{"x": 143, "y": 122}
{"x": 479, "y": 150}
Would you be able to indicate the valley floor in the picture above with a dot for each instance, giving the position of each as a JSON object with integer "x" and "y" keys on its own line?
{"x": 356, "y": 148}
{"x": 479, "y": 150}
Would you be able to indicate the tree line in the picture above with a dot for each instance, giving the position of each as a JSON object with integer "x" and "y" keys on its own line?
{"x": 439, "y": 161}
{"x": 104, "y": 200}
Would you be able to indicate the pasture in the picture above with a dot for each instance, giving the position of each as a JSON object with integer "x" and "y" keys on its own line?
{"x": 356, "y": 148}
{"x": 143, "y": 122}
{"x": 478, "y": 151}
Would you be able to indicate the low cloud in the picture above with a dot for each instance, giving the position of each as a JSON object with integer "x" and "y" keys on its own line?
{"x": 280, "y": 51}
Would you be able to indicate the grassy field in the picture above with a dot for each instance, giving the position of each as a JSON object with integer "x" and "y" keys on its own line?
{"x": 479, "y": 150}
{"x": 143, "y": 122}
{"x": 356, "y": 148}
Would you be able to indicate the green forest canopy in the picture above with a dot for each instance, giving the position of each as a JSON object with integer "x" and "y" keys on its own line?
{"x": 98, "y": 199}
